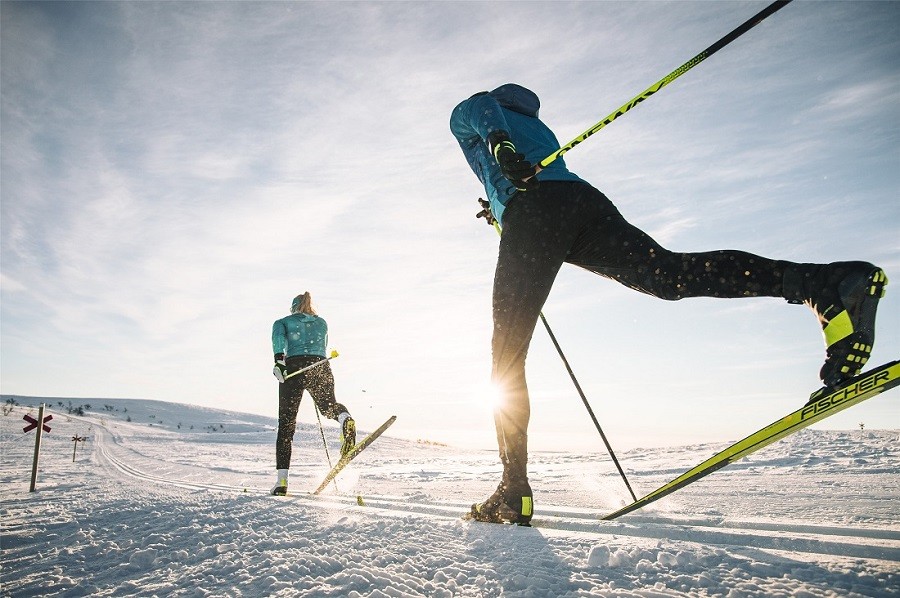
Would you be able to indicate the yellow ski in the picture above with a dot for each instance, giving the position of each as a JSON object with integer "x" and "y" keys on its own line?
{"x": 354, "y": 452}
{"x": 824, "y": 403}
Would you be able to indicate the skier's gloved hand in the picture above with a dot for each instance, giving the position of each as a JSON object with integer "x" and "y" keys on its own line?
{"x": 280, "y": 369}
{"x": 513, "y": 165}
{"x": 486, "y": 212}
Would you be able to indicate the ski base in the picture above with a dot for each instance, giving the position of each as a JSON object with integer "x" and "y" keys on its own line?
{"x": 468, "y": 517}
{"x": 823, "y": 403}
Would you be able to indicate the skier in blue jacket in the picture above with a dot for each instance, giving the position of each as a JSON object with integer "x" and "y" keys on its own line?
{"x": 550, "y": 216}
{"x": 298, "y": 341}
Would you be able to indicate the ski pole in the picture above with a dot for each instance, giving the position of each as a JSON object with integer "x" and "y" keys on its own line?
{"x": 736, "y": 33}
{"x": 587, "y": 405}
{"x": 325, "y": 443}
{"x": 584, "y": 400}
{"x": 333, "y": 354}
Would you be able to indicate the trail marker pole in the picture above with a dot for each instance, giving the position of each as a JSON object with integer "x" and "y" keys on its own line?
{"x": 76, "y": 439}
{"x": 40, "y": 424}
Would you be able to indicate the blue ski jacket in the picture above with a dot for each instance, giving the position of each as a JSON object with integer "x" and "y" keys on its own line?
{"x": 513, "y": 109}
{"x": 300, "y": 334}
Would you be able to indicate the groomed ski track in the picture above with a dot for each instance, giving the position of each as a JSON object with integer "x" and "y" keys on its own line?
{"x": 862, "y": 543}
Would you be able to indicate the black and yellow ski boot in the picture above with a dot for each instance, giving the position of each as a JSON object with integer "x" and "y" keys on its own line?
{"x": 844, "y": 297}
{"x": 348, "y": 435}
{"x": 508, "y": 504}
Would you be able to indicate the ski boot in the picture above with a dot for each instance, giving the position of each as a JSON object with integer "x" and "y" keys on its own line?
{"x": 508, "y": 504}
{"x": 844, "y": 297}
{"x": 280, "y": 488}
{"x": 348, "y": 433}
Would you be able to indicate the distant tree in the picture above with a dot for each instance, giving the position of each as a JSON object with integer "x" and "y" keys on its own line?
{"x": 8, "y": 407}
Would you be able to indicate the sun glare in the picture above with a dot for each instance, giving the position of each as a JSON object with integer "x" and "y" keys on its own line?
{"x": 486, "y": 398}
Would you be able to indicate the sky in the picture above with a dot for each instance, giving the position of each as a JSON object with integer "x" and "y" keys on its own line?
{"x": 173, "y": 174}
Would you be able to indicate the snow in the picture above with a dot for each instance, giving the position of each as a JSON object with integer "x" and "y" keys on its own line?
{"x": 175, "y": 502}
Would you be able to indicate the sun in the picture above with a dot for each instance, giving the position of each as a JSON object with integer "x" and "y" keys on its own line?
{"x": 486, "y": 398}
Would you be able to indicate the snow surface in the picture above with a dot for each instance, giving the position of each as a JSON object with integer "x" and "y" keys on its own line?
{"x": 175, "y": 502}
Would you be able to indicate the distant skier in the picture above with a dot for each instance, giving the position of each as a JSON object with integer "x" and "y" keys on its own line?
{"x": 300, "y": 340}
{"x": 551, "y": 216}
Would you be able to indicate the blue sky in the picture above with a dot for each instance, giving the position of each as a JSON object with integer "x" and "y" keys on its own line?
{"x": 174, "y": 173}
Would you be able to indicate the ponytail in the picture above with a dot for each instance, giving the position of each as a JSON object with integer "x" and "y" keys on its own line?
{"x": 302, "y": 304}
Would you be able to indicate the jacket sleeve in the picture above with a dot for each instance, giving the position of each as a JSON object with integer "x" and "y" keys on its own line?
{"x": 279, "y": 338}
{"x": 324, "y": 337}
{"x": 476, "y": 118}
{"x": 471, "y": 122}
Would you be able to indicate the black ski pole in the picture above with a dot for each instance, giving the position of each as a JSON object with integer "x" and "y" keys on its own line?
{"x": 325, "y": 444}
{"x": 736, "y": 33}
{"x": 587, "y": 405}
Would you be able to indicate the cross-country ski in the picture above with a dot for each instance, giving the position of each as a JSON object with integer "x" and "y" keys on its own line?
{"x": 822, "y": 405}
{"x": 354, "y": 452}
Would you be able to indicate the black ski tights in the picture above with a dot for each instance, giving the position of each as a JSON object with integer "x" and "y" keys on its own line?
{"x": 572, "y": 222}
{"x": 319, "y": 381}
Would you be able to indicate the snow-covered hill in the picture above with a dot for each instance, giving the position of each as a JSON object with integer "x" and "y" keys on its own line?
{"x": 172, "y": 500}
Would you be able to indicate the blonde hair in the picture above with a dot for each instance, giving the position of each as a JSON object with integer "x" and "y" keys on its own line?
{"x": 302, "y": 304}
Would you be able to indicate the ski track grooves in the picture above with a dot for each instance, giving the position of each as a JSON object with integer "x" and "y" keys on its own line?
{"x": 856, "y": 543}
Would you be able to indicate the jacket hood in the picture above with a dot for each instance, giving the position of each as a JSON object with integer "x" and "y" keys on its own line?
{"x": 517, "y": 98}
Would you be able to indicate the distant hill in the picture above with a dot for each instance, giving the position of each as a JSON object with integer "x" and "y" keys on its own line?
{"x": 169, "y": 416}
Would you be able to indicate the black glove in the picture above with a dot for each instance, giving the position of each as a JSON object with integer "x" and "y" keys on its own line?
{"x": 280, "y": 369}
{"x": 513, "y": 165}
{"x": 486, "y": 212}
